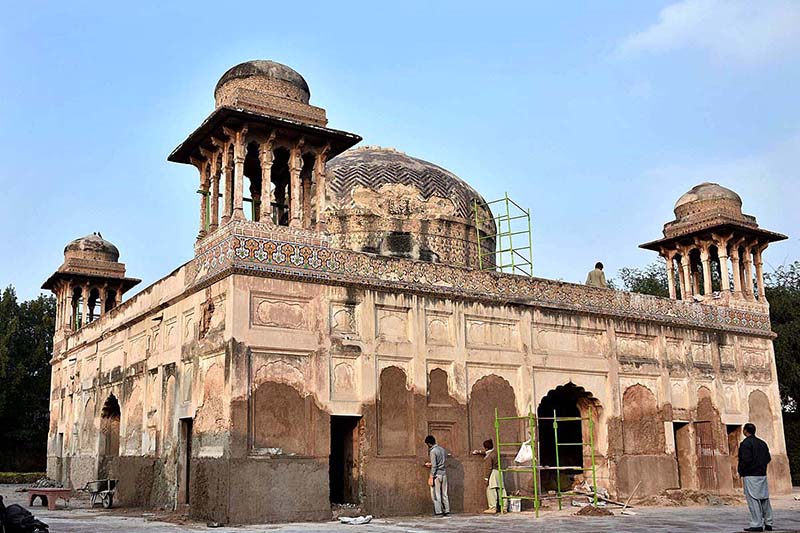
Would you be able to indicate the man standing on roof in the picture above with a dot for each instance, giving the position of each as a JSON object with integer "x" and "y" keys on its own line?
{"x": 596, "y": 277}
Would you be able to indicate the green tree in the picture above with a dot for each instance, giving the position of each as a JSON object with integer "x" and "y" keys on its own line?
{"x": 26, "y": 346}
{"x": 783, "y": 294}
{"x": 651, "y": 279}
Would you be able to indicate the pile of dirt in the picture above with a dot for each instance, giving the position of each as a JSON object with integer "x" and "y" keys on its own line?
{"x": 687, "y": 498}
{"x": 590, "y": 510}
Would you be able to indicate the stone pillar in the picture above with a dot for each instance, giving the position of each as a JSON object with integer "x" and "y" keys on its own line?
{"x": 213, "y": 177}
{"x": 760, "y": 272}
{"x": 737, "y": 276}
{"x": 305, "y": 210}
{"x": 687, "y": 274}
{"x": 722, "y": 253}
{"x": 669, "y": 255}
{"x": 295, "y": 189}
{"x": 202, "y": 165}
{"x": 227, "y": 200}
{"x": 321, "y": 177}
{"x": 748, "y": 272}
{"x": 705, "y": 259}
{"x": 239, "y": 140}
{"x": 266, "y": 157}
{"x": 85, "y": 307}
{"x": 103, "y": 296}
{"x": 119, "y": 296}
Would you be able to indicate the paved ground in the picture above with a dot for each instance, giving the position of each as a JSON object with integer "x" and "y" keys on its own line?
{"x": 80, "y": 519}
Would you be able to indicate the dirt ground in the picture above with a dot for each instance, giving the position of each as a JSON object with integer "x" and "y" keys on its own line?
{"x": 703, "y": 513}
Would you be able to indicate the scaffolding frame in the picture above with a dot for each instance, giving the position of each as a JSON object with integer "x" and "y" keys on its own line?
{"x": 536, "y": 468}
{"x": 505, "y": 257}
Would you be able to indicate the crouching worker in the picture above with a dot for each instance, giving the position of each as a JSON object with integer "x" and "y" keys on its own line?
{"x": 491, "y": 476}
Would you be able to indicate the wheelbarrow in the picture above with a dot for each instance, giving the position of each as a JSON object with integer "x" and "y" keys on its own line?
{"x": 103, "y": 489}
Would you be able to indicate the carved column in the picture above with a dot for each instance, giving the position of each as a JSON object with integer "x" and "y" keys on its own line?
{"x": 295, "y": 191}
{"x": 748, "y": 271}
{"x": 238, "y": 138}
{"x": 669, "y": 255}
{"x": 202, "y": 166}
{"x": 687, "y": 274}
{"x": 227, "y": 200}
{"x": 722, "y": 253}
{"x": 321, "y": 177}
{"x": 705, "y": 260}
{"x": 213, "y": 178}
{"x": 266, "y": 157}
{"x": 737, "y": 276}
{"x": 103, "y": 296}
{"x": 85, "y": 307}
{"x": 760, "y": 271}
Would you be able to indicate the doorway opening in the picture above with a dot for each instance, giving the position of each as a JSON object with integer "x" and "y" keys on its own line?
{"x": 565, "y": 401}
{"x": 109, "y": 436}
{"x": 683, "y": 453}
{"x": 344, "y": 468}
{"x": 706, "y": 469}
{"x": 734, "y": 438}
{"x": 185, "y": 460}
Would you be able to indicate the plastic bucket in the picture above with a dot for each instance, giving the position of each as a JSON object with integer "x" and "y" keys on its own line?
{"x": 514, "y": 505}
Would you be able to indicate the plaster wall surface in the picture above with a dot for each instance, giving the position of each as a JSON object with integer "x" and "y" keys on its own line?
{"x": 259, "y": 362}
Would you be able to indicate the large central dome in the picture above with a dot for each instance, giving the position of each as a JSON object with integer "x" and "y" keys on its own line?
{"x": 390, "y": 203}
{"x": 373, "y": 167}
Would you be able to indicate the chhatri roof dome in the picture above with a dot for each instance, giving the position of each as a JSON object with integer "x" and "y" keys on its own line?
{"x": 93, "y": 247}
{"x": 708, "y": 197}
{"x": 262, "y": 75}
{"x": 373, "y": 167}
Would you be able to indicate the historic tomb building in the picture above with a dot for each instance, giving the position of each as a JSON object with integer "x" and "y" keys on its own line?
{"x": 333, "y": 315}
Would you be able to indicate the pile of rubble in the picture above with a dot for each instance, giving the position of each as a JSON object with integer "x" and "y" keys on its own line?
{"x": 47, "y": 483}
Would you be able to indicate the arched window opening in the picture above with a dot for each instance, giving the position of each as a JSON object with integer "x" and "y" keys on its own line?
{"x": 252, "y": 183}
{"x": 110, "y": 300}
{"x": 280, "y": 187}
{"x": 109, "y": 435}
{"x": 94, "y": 304}
{"x": 77, "y": 308}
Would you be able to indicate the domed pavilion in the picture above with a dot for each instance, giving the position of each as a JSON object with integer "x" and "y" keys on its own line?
{"x": 711, "y": 243}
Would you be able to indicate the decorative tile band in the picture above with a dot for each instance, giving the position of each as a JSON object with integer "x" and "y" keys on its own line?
{"x": 285, "y": 258}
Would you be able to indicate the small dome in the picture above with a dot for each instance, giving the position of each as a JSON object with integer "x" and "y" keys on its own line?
{"x": 373, "y": 167}
{"x": 92, "y": 247}
{"x": 264, "y": 75}
{"x": 708, "y": 197}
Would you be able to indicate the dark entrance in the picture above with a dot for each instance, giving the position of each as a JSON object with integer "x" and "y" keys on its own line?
{"x": 109, "y": 436}
{"x": 344, "y": 459}
{"x": 734, "y": 438}
{"x": 185, "y": 460}
{"x": 566, "y": 401}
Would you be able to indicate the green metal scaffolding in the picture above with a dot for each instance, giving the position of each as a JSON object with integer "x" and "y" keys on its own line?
{"x": 511, "y": 221}
{"x": 536, "y": 468}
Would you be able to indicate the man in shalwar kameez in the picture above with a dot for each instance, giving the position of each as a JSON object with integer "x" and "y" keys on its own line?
{"x": 753, "y": 460}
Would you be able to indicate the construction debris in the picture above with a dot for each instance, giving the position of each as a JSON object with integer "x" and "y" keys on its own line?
{"x": 357, "y": 521}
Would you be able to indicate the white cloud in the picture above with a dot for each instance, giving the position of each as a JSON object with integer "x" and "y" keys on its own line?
{"x": 735, "y": 31}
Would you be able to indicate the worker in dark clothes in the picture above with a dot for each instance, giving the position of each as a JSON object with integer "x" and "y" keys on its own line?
{"x": 753, "y": 460}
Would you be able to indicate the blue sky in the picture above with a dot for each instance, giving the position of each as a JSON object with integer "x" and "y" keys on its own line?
{"x": 596, "y": 115}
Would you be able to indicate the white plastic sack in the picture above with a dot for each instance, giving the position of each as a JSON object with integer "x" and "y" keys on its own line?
{"x": 525, "y": 453}
{"x": 358, "y": 521}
